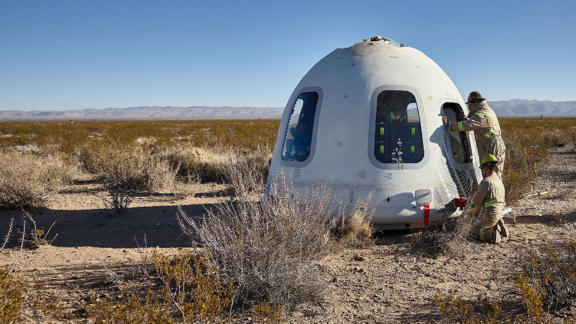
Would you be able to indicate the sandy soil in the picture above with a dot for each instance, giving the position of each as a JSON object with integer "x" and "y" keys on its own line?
{"x": 100, "y": 255}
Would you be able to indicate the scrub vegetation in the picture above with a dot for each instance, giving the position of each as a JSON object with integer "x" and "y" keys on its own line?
{"x": 545, "y": 284}
{"x": 528, "y": 142}
{"x": 251, "y": 252}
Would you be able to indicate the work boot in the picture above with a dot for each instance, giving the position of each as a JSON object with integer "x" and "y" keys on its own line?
{"x": 496, "y": 238}
{"x": 503, "y": 228}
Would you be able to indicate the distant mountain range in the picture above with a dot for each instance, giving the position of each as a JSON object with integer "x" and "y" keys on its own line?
{"x": 146, "y": 113}
{"x": 524, "y": 108}
{"x": 510, "y": 108}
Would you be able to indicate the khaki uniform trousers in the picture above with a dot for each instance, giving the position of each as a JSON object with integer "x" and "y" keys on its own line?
{"x": 485, "y": 230}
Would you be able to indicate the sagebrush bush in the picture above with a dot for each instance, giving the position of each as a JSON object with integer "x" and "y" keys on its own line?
{"x": 28, "y": 179}
{"x": 266, "y": 247}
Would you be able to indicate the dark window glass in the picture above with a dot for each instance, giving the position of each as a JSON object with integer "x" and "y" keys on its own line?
{"x": 298, "y": 138}
{"x": 398, "y": 137}
{"x": 459, "y": 142}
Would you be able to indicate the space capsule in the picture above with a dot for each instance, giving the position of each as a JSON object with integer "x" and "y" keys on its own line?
{"x": 369, "y": 117}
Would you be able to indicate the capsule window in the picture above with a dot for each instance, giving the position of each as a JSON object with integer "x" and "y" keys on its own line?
{"x": 398, "y": 136}
{"x": 298, "y": 137}
{"x": 459, "y": 142}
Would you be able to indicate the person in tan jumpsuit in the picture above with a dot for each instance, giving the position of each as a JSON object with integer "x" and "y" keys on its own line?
{"x": 483, "y": 121}
{"x": 490, "y": 200}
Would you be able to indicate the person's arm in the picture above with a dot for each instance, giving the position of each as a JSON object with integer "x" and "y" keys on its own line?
{"x": 470, "y": 124}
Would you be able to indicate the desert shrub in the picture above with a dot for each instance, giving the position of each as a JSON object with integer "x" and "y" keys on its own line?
{"x": 520, "y": 172}
{"x": 122, "y": 174}
{"x": 528, "y": 143}
{"x": 11, "y": 297}
{"x": 247, "y": 172}
{"x": 39, "y": 235}
{"x": 28, "y": 179}
{"x": 160, "y": 174}
{"x": 546, "y": 283}
{"x": 123, "y": 171}
{"x": 266, "y": 313}
{"x": 205, "y": 164}
{"x": 151, "y": 310}
{"x": 553, "y": 270}
{"x": 533, "y": 300}
{"x": 484, "y": 310}
{"x": 461, "y": 311}
{"x": 525, "y": 145}
{"x": 192, "y": 283}
{"x": 192, "y": 293}
{"x": 69, "y": 137}
{"x": 266, "y": 247}
{"x": 444, "y": 237}
{"x": 354, "y": 229}
{"x": 556, "y": 137}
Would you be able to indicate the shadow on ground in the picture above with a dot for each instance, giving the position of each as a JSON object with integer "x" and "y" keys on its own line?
{"x": 158, "y": 225}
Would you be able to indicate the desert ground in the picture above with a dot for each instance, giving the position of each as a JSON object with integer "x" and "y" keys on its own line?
{"x": 97, "y": 254}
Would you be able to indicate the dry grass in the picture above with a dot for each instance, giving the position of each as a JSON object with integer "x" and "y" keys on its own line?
{"x": 445, "y": 237}
{"x": 28, "y": 179}
{"x": 354, "y": 229}
{"x": 207, "y": 165}
{"x": 67, "y": 138}
{"x": 39, "y": 235}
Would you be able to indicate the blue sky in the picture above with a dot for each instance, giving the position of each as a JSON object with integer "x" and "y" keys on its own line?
{"x": 60, "y": 55}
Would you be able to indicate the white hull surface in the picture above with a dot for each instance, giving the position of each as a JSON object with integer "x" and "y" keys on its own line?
{"x": 369, "y": 117}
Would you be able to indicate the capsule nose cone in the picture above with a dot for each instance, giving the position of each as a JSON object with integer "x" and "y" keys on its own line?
{"x": 370, "y": 47}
